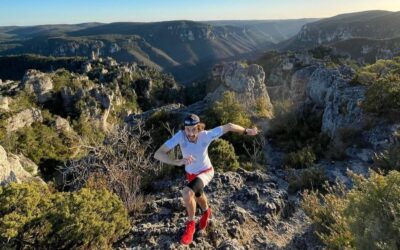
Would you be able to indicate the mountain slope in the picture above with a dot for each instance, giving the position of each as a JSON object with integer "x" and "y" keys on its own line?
{"x": 185, "y": 48}
{"x": 367, "y": 24}
{"x": 275, "y": 30}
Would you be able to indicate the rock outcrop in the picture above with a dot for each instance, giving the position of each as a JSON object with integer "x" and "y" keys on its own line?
{"x": 62, "y": 124}
{"x": 38, "y": 83}
{"x": 246, "y": 81}
{"x": 330, "y": 89}
{"x": 15, "y": 168}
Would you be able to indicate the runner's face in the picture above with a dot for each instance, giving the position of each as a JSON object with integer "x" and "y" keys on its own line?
{"x": 191, "y": 132}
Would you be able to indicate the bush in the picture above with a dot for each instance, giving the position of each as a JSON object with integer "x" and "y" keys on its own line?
{"x": 63, "y": 78}
{"x": 90, "y": 132}
{"x": 261, "y": 108}
{"x": 40, "y": 142}
{"x": 227, "y": 110}
{"x": 326, "y": 212}
{"x": 222, "y": 155}
{"x": 380, "y": 69}
{"x": 383, "y": 96}
{"x": 309, "y": 178}
{"x": 123, "y": 163}
{"x": 366, "y": 217}
{"x": 158, "y": 122}
{"x": 388, "y": 159}
{"x": 373, "y": 213}
{"x": 32, "y": 217}
{"x": 303, "y": 158}
{"x": 23, "y": 100}
{"x": 293, "y": 131}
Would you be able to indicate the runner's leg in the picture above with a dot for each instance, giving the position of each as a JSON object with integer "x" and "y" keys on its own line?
{"x": 190, "y": 203}
{"x": 202, "y": 201}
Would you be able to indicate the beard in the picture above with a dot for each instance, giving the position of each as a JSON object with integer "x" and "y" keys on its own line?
{"x": 192, "y": 138}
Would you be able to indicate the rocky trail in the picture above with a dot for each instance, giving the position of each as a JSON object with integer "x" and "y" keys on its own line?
{"x": 251, "y": 210}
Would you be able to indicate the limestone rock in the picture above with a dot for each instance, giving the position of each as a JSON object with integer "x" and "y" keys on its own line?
{"x": 23, "y": 119}
{"x": 12, "y": 168}
{"x": 28, "y": 164}
{"x": 38, "y": 83}
{"x": 247, "y": 82}
{"x": 4, "y": 101}
{"x": 86, "y": 67}
{"x": 62, "y": 124}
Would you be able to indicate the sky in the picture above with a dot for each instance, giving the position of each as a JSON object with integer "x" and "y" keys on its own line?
{"x": 36, "y": 12}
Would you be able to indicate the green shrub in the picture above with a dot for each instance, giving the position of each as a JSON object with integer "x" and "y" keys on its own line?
{"x": 326, "y": 212}
{"x": 292, "y": 131}
{"x": 40, "y": 142}
{"x": 388, "y": 159}
{"x": 90, "y": 131}
{"x": 63, "y": 78}
{"x": 380, "y": 69}
{"x": 227, "y": 110}
{"x": 261, "y": 108}
{"x": 303, "y": 158}
{"x": 22, "y": 101}
{"x": 309, "y": 178}
{"x": 158, "y": 122}
{"x": 223, "y": 156}
{"x": 32, "y": 217}
{"x": 383, "y": 96}
{"x": 373, "y": 213}
{"x": 365, "y": 217}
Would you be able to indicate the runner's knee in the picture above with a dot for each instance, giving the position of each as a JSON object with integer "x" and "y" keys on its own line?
{"x": 196, "y": 186}
{"x": 199, "y": 193}
{"x": 187, "y": 193}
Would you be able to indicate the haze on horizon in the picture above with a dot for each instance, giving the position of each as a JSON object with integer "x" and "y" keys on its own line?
{"x": 27, "y": 12}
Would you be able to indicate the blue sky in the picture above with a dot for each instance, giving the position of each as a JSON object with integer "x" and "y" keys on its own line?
{"x": 34, "y": 12}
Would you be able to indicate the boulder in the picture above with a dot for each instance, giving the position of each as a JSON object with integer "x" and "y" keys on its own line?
{"x": 39, "y": 83}
{"x": 15, "y": 168}
{"x": 62, "y": 124}
{"x": 23, "y": 119}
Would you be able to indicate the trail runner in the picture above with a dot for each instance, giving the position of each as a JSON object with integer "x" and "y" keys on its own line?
{"x": 194, "y": 141}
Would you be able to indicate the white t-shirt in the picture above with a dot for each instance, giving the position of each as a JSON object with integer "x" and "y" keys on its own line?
{"x": 197, "y": 149}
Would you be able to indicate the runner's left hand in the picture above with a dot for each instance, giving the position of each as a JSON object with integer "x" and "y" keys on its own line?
{"x": 253, "y": 131}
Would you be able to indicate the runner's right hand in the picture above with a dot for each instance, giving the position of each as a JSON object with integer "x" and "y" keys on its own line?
{"x": 186, "y": 161}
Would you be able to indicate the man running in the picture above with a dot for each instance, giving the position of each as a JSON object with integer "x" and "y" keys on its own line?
{"x": 194, "y": 142}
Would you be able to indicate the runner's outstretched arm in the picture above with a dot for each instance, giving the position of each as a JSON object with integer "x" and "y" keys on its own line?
{"x": 230, "y": 127}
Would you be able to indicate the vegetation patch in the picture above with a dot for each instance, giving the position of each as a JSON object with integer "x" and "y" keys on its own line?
{"x": 34, "y": 216}
{"x": 365, "y": 217}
